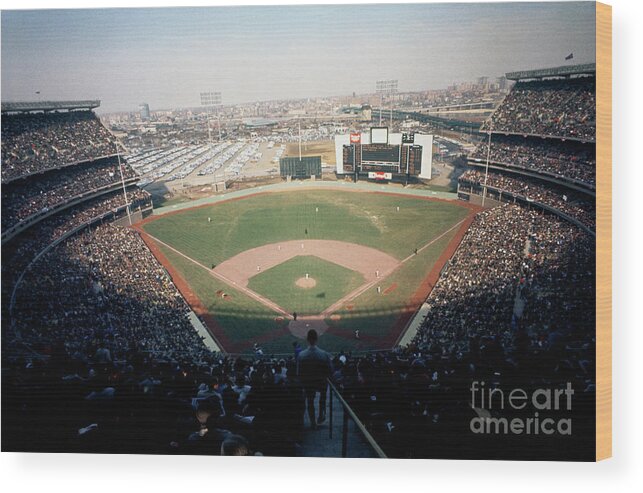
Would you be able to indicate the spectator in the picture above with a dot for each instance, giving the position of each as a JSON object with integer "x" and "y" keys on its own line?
{"x": 313, "y": 368}
{"x": 569, "y": 160}
{"x": 36, "y": 142}
{"x": 235, "y": 445}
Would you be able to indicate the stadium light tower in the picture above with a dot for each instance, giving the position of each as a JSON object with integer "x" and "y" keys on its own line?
{"x": 486, "y": 169}
{"x": 299, "y": 126}
{"x": 385, "y": 87}
{"x": 120, "y": 168}
{"x": 208, "y": 100}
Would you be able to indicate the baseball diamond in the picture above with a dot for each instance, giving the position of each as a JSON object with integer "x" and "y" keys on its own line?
{"x": 243, "y": 262}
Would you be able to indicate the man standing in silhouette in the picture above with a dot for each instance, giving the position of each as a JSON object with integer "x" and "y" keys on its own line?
{"x": 314, "y": 366}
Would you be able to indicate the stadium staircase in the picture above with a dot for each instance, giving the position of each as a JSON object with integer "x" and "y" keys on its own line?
{"x": 341, "y": 435}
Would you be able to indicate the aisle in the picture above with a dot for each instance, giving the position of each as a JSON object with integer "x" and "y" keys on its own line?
{"x": 316, "y": 443}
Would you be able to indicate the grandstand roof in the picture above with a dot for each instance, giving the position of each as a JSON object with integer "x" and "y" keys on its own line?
{"x": 26, "y": 106}
{"x": 563, "y": 71}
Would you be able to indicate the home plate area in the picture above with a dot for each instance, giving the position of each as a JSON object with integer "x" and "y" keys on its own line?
{"x": 302, "y": 325}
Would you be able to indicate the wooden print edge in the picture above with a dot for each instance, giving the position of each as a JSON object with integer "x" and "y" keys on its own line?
{"x": 603, "y": 231}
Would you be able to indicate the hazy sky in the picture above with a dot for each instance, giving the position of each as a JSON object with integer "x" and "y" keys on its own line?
{"x": 167, "y": 56}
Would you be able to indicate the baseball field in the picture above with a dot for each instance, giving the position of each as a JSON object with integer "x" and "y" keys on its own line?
{"x": 267, "y": 267}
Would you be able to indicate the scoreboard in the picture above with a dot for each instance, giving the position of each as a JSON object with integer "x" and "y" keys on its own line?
{"x": 399, "y": 159}
{"x": 378, "y": 155}
{"x": 303, "y": 168}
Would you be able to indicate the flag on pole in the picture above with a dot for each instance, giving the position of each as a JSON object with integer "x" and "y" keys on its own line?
{"x": 569, "y": 57}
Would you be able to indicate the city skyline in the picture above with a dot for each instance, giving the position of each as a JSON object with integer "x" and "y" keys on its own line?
{"x": 167, "y": 56}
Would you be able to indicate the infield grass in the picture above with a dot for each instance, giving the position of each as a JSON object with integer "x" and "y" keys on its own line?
{"x": 279, "y": 284}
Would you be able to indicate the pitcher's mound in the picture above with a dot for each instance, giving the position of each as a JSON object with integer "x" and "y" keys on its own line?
{"x": 304, "y": 283}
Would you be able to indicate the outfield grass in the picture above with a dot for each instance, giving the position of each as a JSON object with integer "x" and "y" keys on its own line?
{"x": 279, "y": 284}
{"x": 363, "y": 218}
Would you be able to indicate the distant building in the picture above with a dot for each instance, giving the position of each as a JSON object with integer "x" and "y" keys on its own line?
{"x": 367, "y": 112}
{"x": 259, "y": 122}
{"x": 144, "y": 110}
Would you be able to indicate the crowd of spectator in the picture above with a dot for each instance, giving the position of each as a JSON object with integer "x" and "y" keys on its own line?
{"x": 19, "y": 253}
{"x": 35, "y": 142}
{"x": 143, "y": 403}
{"x": 558, "y": 108}
{"x": 509, "y": 248}
{"x": 566, "y": 159}
{"x": 42, "y": 193}
{"x": 564, "y": 201}
{"x": 515, "y": 308}
{"x": 120, "y": 347}
{"x": 108, "y": 283}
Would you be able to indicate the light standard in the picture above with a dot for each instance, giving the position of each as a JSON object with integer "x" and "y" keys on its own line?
{"x": 120, "y": 168}
{"x": 388, "y": 87}
{"x": 486, "y": 170}
{"x": 209, "y": 99}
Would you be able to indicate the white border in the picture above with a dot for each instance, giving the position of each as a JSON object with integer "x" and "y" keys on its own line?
{"x": 100, "y": 473}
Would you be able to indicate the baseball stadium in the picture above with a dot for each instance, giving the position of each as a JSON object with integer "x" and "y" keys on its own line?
{"x": 134, "y": 323}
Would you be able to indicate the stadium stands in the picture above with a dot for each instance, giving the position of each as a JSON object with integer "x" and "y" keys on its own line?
{"x": 36, "y": 142}
{"x": 573, "y": 205}
{"x": 561, "y": 108}
{"x": 116, "y": 344}
{"x": 566, "y": 160}
{"x": 550, "y": 127}
{"x": 46, "y": 192}
{"x": 19, "y": 253}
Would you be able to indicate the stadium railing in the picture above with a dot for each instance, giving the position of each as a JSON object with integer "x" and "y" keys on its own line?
{"x": 59, "y": 167}
{"x": 349, "y": 414}
{"x": 507, "y": 196}
{"x": 584, "y": 140}
{"x": 562, "y": 180}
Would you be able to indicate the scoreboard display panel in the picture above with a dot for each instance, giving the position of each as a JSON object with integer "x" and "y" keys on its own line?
{"x": 300, "y": 168}
{"x": 381, "y": 155}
